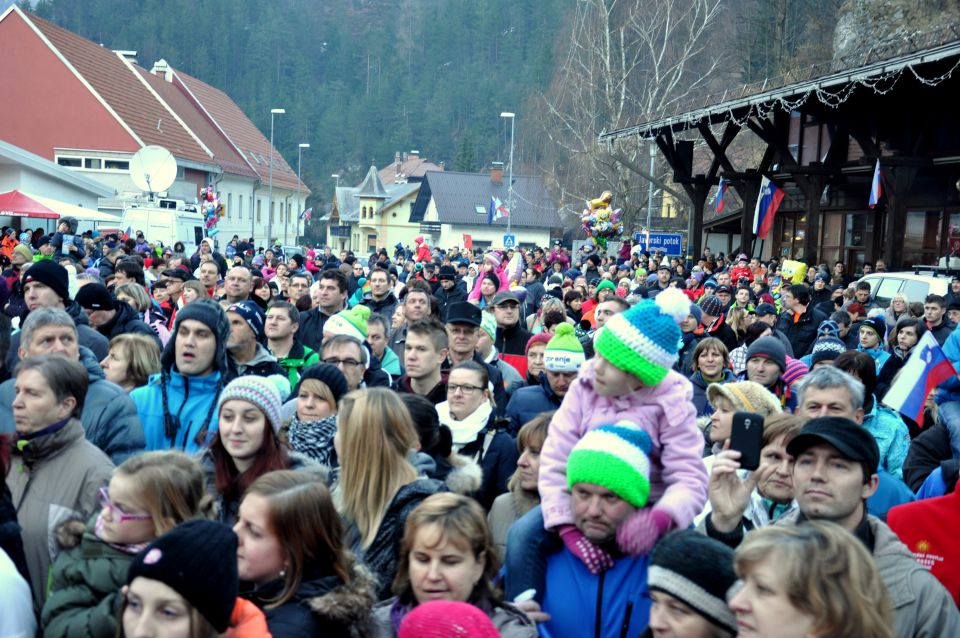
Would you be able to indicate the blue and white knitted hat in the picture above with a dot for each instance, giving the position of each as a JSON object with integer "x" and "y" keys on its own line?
{"x": 615, "y": 457}
{"x": 266, "y": 393}
{"x": 645, "y": 339}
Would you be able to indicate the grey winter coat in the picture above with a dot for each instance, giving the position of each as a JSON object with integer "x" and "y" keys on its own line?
{"x": 109, "y": 415}
{"x": 509, "y": 621}
{"x": 53, "y": 478}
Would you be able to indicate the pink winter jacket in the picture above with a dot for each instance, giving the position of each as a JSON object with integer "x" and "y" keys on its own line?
{"x": 678, "y": 478}
{"x": 501, "y": 275}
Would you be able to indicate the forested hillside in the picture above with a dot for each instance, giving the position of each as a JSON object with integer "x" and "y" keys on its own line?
{"x": 360, "y": 79}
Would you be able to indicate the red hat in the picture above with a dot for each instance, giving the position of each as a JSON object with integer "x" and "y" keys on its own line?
{"x": 444, "y": 618}
{"x": 543, "y": 337}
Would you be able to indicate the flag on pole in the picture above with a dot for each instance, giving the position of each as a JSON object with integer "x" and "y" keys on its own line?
{"x": 497, "y": 210}
{"x": 468, "y": 241}
{"x": 768, "y": 201}
{"x": 718, "y": 198}
{"x": 925, "y": 369}
{"x": 127, "y": 233}
{"x": 876, "y": 188}
{"x": 307, "y": 213}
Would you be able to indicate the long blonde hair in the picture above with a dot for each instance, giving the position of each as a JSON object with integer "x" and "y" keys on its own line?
{"x": 376, "y": 434}
{"x": 828, "y": 575}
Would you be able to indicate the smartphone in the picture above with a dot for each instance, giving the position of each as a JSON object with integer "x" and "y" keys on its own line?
{"x": 746, "y": 437}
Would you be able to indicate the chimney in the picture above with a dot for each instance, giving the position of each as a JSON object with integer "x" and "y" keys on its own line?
{"x": 130, "y": 56}
{"x": 162, "y": 69}
{"x": 414, "y": 154}
{"x": 396, "y": 162}
{"x": 496, "y": 172}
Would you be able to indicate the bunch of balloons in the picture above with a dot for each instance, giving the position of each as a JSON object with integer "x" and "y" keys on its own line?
{"x": 212, "y": 209}
{"x": 600, "y": 222}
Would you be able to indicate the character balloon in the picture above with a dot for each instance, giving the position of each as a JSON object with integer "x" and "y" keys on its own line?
{"x": 600, "y": 222}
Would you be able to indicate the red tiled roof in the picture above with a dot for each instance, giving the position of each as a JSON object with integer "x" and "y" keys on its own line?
{"x": 127, "y": 96}
{"x": 223, "y": 152}
{"x": 241, "y": 131}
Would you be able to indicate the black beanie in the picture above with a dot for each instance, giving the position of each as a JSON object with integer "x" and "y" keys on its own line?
{"x": 210, "y": 314}
{"x": 329, "y": 375}
{"x": 697, "y": 570}
{"x": 769, "y": 348}
{"x": 198, "y": 560}
{"x": 50, "y": 274}
{"x": 95, "y": 296}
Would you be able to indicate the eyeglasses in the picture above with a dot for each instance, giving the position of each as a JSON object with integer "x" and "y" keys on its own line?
{"x": 118, "y": 514}
{"x": 347, "y": 363}
{"x": 464, "y": 388}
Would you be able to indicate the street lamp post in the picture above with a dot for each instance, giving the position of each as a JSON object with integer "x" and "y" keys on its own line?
{"x": 335, "y": 176}
{"x": 513, "y": 118}
{"x": 270, "y": 189}
{"x": 300, "y": 148}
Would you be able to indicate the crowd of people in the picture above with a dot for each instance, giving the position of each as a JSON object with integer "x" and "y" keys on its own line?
{"x": 239, "y": 442}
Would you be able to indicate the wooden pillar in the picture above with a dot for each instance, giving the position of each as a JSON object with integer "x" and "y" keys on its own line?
{"x": 749, "y": 192}
{"x": 898, "y": 189}
{"x": 811, "y": 241}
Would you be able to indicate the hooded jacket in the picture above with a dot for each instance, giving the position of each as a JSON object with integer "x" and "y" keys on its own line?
{"x": 85, "y": 590}
{"x": 496, "y": 452}
{"x": 58, "y": 239}
{"x": 217, "y": 257}
{"x": 700, "y": 390}
{"x": 263, "y": 364}
{"x": 53, "y": 478}
{"x": 86, "y": 335}
{"x": 109, "y": 416}
{"x": 437, "y": 395}
{"x": 801, "y": 332}
{"x": 190, "y": 401}
{"x": 323, "y": 605}
{"x": 446, "y": 297}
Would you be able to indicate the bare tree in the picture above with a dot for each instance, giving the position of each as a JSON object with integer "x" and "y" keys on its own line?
{"x": 626, "y": 61}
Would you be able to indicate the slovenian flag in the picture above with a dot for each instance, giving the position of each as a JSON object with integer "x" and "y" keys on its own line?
{"x": 768, "y": 201}
{"x": 925, "y": 369}
{"x": 876, "y": 187}
{"x": 718, "y": 198}
{"x": 497, "y": 210}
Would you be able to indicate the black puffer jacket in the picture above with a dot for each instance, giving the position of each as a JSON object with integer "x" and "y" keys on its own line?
{"x": 381, "y": 556}
{"x": 323, "y": 605}
{"x": 127, "y": 321}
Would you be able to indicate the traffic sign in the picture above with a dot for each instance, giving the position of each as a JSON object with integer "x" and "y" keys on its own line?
{"x": 667, "y": 243}
{"x": 509, "y": 241}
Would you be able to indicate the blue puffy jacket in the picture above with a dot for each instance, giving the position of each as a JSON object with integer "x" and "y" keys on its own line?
{"x": 528, "y": 402}
{"x": 615, "y": 603}
{"x": 189, "y": 403}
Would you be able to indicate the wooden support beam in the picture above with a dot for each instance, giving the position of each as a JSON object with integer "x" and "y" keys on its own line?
{"x": 896, "y": 218}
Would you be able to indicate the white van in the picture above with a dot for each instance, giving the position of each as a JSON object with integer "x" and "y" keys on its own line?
{"x": 166, "y": 225}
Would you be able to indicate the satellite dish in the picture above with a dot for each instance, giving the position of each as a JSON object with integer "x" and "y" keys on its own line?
{"x": 153, "y": 169}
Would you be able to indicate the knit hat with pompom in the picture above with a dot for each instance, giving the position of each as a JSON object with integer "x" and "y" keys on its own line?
{"x": 645, "y": 339}
{"x": 564, "y": 352}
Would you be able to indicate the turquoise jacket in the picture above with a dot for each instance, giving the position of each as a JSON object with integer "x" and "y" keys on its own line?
{"x": 189, "y": 402}
{"x": 892, "y": 436}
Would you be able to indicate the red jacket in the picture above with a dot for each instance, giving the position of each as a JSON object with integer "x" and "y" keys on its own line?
{"x": 740, "y": 271}
{"x": 929, "y": 529}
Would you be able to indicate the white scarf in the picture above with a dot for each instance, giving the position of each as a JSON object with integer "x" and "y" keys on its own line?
{"x": 465, "y": 431}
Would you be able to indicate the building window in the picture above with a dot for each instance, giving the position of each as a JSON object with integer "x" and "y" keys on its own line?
{"x": 239, "y": 207}
{"x": 116, "y": 165}
{"x": 229, "y": 204}
{"x": 70, "y": 162}
{"x": 259, "y": 206}
{"x": 93, "y": 163}
{"x": 271, "y": 211}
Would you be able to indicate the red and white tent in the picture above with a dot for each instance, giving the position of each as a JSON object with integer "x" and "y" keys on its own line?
{"x": 17, "y": 204}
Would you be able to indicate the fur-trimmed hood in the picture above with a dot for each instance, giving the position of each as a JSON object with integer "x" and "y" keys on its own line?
{"x": 348, "y": 604}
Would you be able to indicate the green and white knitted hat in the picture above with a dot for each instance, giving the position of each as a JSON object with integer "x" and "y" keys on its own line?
{"x": 352, "y": 322}
{"x": 563, "y": 352}
{"x": 615, "y": 457}
{"x": 645, "y": 339}
{"x": 488, "y": 323}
